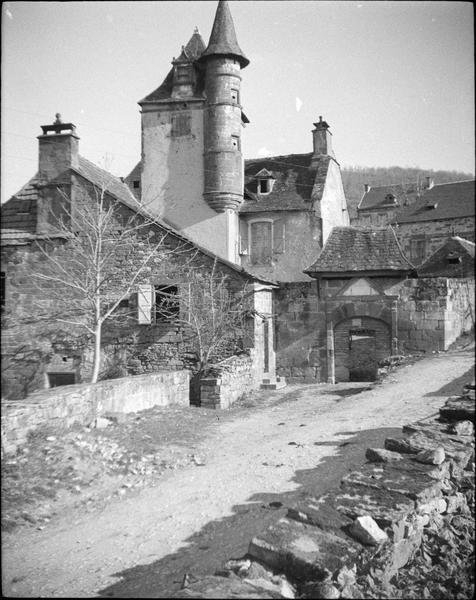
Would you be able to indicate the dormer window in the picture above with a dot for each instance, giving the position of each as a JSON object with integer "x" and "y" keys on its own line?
{"x": 264, "y": 186}
{"x": 390, "y": 199}
{"x": 264, "y": 182}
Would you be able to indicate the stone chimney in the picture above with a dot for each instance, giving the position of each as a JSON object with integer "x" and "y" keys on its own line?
{"x": 321, "y": 140}
{"x": 58, "y": 150}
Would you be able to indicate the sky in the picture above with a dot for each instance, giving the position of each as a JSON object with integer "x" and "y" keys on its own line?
{"x": 394, "y": 80}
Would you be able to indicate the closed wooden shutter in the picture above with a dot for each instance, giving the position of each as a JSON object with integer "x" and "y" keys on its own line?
{"x": 244, "y": 237}
{"x": 261, "y": 242}
{"x": 144, "y": 304}
{"x": 278, "y": 236}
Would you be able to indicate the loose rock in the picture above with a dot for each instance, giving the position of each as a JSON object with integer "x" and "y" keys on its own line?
{"x": 365, "y": 530}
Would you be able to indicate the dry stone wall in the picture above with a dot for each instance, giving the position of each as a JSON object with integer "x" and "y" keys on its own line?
{"x": 83, "y": 403}
{"x": 227, "y": 382}
{"x": 357, "y": 538}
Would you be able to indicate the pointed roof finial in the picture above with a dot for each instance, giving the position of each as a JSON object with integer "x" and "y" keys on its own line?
{"x": 58, "y": 119}
{"x": 223, "y": 37}
{"x": 196, "y": 30}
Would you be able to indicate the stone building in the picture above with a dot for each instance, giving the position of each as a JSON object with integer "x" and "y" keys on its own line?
{"x": 370, "y": 305}
{"x": 39, "y": 350}
{"x": 291, "y": 204}
{"x": 425, "y": 216}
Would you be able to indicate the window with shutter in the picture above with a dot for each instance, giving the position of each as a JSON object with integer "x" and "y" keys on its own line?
{"x": 144, "y": 304}
{"x": 167, "y": 303}
{"x": 261, "y": 246}
{"x": 244, "y": 237}
{"x": 278, "y": 236}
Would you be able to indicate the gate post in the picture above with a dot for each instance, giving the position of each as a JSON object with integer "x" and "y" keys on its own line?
{"x": 331, "y": 378}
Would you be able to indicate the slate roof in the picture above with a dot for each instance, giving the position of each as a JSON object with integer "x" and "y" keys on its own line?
{"x": 192, "y": 50}
{"x": 223, "y": 37}
{"x": 350, "y": 250}
{"x": 438, "y": 265}
{"x": 19, "y": 213}
{"x": 296, "y": 186}
{"x": 450, "y": 201}
{"x": 21, "y": 228}
{"x": 376, "y": 197}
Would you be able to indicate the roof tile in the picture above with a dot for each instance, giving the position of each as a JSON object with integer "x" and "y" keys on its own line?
{"x": 358, "y": 250}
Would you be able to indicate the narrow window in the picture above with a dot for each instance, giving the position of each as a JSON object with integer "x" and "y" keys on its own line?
{"x": 136, "y": 184}
{"x": 236, "y": 143}
{"x": 2, "y": 290}
{"x": 235, "y": 95}
{"x": 417, "y": 250}
{"x": 167, "y": 303}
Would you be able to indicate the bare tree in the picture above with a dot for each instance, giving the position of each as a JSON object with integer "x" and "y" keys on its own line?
{"x": 83, "y": 281}
{"x": 215, "y": 315}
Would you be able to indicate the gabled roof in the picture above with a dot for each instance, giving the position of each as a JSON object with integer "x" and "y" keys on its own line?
{"x": 223, "y": 37}
{"x": 376, "y": 197}
{"x": 353, "y": 251}
{"x": 454, "y": 259}
{"x": 296, "y": 184}
{"x": 16, "y": 231}
{"x": 449, "y": 201}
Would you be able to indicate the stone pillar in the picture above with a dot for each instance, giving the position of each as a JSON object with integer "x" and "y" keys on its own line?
{"x": 331, "y": 377}
{"x": 394, "y": 331}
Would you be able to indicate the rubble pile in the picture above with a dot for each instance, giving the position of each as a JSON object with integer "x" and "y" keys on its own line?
{"x": 401, "y": 527}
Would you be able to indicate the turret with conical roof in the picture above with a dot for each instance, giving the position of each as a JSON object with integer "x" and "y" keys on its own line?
{"x": 223, "y": 161}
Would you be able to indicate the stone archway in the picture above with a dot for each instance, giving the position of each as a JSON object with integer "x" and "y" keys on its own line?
{"x": 359, "y": 344}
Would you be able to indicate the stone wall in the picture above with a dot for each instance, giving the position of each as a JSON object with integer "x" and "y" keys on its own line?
{"x": 82, "y": 403}
{"x": 300, "y": 355}
{"x": 434, "y": 234}
{"x": 227, "y": 382}
{"x": 434, "y": 312}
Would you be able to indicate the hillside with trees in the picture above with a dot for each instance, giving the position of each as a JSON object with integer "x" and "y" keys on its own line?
{"x": 354, "y": 179}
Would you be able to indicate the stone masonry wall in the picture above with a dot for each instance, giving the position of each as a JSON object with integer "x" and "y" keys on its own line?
{"x": 83, "y": 403}
{"x": 227, "y": 382}
{"x": 300, "y": 355}
{"x": 433, "y": 312}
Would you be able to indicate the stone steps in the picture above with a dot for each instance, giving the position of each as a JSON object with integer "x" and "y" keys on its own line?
{"x": 273, "y": 384}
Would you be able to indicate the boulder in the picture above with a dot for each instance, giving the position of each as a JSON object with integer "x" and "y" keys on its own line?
{"x": 431, "y": 457}
{"x": 366, "y": 531}
{"x": 462, "y": 428}
{"x": 381, "y": 455}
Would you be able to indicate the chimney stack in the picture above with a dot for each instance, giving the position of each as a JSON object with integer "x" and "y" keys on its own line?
{"x": 321, "y": 140}
{"x": 58, "y": 150}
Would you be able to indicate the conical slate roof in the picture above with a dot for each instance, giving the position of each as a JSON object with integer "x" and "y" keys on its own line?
{"x": 223, "y": 37}
{"x": 195, "y": 47}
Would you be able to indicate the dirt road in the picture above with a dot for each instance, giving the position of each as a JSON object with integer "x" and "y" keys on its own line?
{"x": 306, "y": 438}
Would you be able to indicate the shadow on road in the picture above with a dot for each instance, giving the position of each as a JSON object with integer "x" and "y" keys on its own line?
{"x": 221, "y": 539}
{"x": 455, "y": 387}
